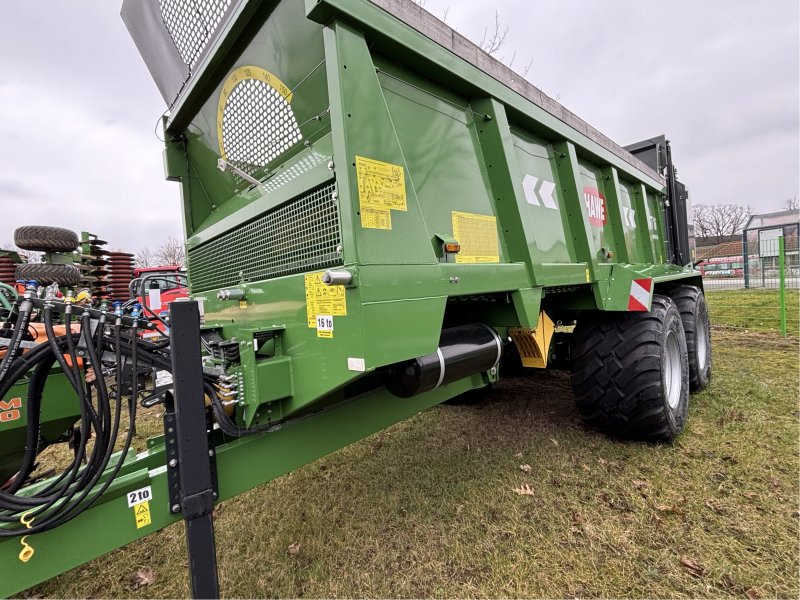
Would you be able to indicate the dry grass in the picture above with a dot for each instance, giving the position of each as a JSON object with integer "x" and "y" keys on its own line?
{"x": 428, "y": 508}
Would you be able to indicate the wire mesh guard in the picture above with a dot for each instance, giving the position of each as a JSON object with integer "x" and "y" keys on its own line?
{"x": 258, "y": 124}
{"x": 294, "y": 238}
{"x": 192, "y": 24}
{"x": 743, "y": 280}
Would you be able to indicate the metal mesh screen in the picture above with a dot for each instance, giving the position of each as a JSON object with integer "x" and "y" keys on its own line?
{"x": 300, "y": 236}
{"x": 258, "y": 125}
{"x": 192, "y": 24}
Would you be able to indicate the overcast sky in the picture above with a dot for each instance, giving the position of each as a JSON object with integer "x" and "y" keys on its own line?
{"x": 720, "y": 77}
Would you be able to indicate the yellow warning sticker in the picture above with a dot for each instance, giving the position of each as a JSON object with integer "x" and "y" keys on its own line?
{"x": 380, "y": 185}
{"x": 323, "y": 300}
{"x": 477, "y": 235}
{"x": 142, "y": 513}
{"x": 376, "y": 218}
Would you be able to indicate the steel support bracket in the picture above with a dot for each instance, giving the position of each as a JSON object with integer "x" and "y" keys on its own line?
{"x": 177, "y": 499}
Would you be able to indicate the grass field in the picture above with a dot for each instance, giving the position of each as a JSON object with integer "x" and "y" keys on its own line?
{"x": 428, "y": 507}
{"x": 754, "y": 309}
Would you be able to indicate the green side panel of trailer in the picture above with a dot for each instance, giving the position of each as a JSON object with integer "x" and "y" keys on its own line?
{"x": 361, "y": 136}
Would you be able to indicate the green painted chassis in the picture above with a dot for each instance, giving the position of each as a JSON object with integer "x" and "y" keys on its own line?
{"x": 400, "y": 299}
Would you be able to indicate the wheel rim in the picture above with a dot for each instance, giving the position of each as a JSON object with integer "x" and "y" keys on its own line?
{"x": 702, "y": 341}
{"x": 672, "y": 368}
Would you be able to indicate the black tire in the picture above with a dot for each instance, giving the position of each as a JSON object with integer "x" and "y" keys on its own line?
{"x": 45, "y": 274}
{"x": 697, "y": 326}
{"x": 41, "y": 238}
{"x": 624, "y": 370}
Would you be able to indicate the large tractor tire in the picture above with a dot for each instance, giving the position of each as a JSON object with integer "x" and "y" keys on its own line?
{"x": 697, "y": 326}
{"x": 630, "y": 372}
{"x": 45, "y": 274}
{"x": 40, "y": 238}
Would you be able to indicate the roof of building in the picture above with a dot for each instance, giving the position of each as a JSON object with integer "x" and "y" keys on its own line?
{"x": 773, "y": 219}
{"x": 724, "y": 249}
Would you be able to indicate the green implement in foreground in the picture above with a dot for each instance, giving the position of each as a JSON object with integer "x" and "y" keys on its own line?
{"x": 379, "y": 218}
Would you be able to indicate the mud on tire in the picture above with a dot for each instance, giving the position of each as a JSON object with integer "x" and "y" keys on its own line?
{"x": 40, "y": 238}
{"x": 630, "y": 372}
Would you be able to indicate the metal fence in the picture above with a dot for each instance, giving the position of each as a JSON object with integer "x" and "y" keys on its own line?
{"x": 753, "y": 284}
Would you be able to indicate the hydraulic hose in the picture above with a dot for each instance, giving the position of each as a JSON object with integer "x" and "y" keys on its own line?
{"x": 80, "y": 485}
{"x": 25, "y": 310}
{"x": 33, "y": 430}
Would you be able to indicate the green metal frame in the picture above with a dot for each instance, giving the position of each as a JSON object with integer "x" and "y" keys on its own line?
{"x": 366, "y": 84}
{"x": 267, "y": 457}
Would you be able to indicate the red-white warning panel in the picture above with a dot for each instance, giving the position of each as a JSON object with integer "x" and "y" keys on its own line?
{"x": 641, "y": 295}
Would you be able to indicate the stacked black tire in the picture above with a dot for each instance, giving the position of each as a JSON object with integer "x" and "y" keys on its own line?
{"x": 632, "y": 372}
{"x": 39, "y": 238}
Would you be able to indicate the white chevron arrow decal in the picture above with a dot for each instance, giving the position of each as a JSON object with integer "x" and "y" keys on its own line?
{"x": 542, "y": 196}
{"x": 629, "y": 216}
{"x": 529, "y": 185}
{"x": 546, "y": 194}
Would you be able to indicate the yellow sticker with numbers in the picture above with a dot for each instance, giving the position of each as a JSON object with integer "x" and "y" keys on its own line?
{"x": 376, "y": 218}
{"x": 477, "y": 235}
{"x": 142, "y": 513}
{"x": 323, "y": 302}
{"x": 380, "y": 185}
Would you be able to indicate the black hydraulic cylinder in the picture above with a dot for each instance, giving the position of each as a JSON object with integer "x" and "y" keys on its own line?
{"x": 463, "y": 351}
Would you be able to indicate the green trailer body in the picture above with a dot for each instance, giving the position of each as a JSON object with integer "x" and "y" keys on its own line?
{"x": 374, "y": 147}
{"x": 357, "y": 179}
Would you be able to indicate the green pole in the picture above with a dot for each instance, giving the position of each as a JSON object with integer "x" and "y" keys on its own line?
{"x": 782, "y": 271}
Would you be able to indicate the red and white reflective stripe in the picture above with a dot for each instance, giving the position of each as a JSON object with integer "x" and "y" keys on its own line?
{"x": 641, "y": 295}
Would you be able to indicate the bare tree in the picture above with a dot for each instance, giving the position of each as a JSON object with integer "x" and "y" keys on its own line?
{"x": 491, "y": 44}
{"x": 170, "y": 252}
{"x": 145, "y": 258}
{"x": 791, "y": 204}
{"x": 720, "y": 220}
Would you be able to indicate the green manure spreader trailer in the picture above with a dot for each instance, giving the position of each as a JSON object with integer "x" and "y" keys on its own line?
{"x": 379, "y": 218}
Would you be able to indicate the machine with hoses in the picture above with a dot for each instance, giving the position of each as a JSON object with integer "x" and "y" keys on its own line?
{"x": 71, "y": 269}
{"x": 376, "y": 213}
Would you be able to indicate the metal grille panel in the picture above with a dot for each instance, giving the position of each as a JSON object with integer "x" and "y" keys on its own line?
{"x": 298, "y": 237}
{"x": 258, "y": 125}
{"x": 192, "y": 24}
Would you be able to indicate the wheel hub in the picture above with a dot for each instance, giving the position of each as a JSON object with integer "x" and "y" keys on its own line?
{"x": 672, "y": 370}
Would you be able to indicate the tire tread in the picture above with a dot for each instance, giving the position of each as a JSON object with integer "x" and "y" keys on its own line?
{"x": 616, "y": 376}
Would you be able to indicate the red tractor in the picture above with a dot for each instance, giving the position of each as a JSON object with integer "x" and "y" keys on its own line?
{"x": 155, "y": 288}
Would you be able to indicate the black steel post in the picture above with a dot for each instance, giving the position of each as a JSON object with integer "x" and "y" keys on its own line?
{"x": 193, "y": 453}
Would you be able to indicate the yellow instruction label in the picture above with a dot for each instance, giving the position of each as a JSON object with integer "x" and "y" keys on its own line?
{"x": 477, "y": 235}
{"x": 380, "y": 185}
{"x": 323, "y": 300}
{"x": 142, "y": 514}
{"x": 376, "y": 218}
